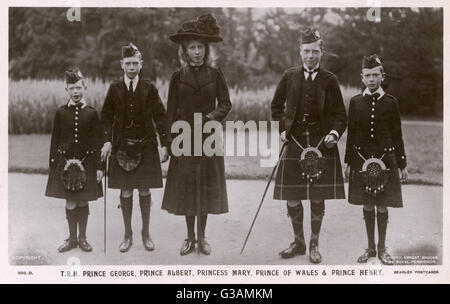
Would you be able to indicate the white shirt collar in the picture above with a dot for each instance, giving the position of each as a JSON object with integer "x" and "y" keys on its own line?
{"x": 379, "y": 91}
{"x": 306, "y": 70}
{"x": 72, "y": 103}
{"x": 127, "y": 81}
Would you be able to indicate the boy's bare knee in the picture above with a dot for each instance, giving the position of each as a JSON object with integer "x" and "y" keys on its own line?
{"x": 382, "y": 209}
{"x": 369, "y": 207}
{"x": 293, "y": 203}
{"x": 126, "y": 193}
{"x": 70, "y": 204}
{"x": 144, "y": 191}
{"x": 83, "y": 203}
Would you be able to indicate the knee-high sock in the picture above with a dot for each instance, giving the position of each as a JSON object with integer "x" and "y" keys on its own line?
{"x": 317, "y": 212}
{"x": 126, "y": 204}
{"x": 190, "y": 224}
{"x": 71, "y": 216}
{"x": 382, "y": 221}
{"x": 83, "y": 214}
{"x": 296, "y": 215}
{"x": 369, "y": 219}
{"x": 203, "y": 219}
{"x": 144, "y": 203}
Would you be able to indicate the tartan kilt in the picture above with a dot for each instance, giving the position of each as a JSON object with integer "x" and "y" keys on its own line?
{"x": 147, "y": 175}
{"x": 91, "y": 192}
{"x": 195, "y": 181}
{"x": 289, "y": 184}
{"x": 392, "y": 195}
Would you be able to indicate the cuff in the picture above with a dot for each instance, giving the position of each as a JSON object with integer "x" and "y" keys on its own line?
{"x": 163, "y": 140}
{"x": 402, "y": 162}
{"x": 335, "y": 133}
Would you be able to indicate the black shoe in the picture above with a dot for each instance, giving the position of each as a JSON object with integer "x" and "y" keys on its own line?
{"x": 126, "y": 244}
{"x": 314, "y": 255}
{"x": 369, "y": 253}
{"x": 84, "y": 245}
{"x": 69, "y": 244}
{"x": 385, "y": 257}
{"x": 188, "y": 246}
{"x": 293, "y": 250}
{"x": 148, "y": 243}
{"x": 204, "y": 246}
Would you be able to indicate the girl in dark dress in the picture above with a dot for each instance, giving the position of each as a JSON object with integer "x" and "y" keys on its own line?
{"x": 374, "y": 154}
{"x": 195, "y": 185}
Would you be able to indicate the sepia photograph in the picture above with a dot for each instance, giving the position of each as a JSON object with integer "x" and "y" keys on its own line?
{"x": 233, "y": 135}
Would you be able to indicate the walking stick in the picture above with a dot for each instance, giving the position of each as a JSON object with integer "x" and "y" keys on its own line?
{"x": 104, "y": 206}
{"x": 264, "y": 195}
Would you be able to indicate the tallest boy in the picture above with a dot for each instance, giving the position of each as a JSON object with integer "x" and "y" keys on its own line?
{"x": 308, "y": 104}
{"x": 131, "y": 106}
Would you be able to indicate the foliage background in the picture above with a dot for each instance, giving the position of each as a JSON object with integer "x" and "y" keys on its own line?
{"x": 259, "y": 44}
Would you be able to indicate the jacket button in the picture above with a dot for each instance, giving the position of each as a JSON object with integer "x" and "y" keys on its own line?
{"x": 372, "y": 116}
{"x": 373, "y": 103}
{"x": 76, "y": 118}
{"x": 371, "y": 135}
{"x": 371, "y": 129}
{"x": 76, "y": 140}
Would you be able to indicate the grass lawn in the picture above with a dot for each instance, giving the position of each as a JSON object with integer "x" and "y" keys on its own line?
{"x": 423, "y": 144}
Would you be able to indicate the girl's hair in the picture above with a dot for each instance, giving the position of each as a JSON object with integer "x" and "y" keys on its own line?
{"x": 210, "y": 54}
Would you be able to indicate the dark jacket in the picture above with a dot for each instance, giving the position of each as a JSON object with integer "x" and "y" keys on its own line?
{"x": 385, "y": 126}
{"x": 76, "y": 134}
{"x": 331, "y": 105}
{"x": 148, "y": 105}
{"x": 202, "y": 91}
{"x": 76, "y": 125}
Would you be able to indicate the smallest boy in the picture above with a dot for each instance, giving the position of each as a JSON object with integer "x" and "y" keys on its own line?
{"x": 374, "y": 154}
{"x": 75, "y": 169}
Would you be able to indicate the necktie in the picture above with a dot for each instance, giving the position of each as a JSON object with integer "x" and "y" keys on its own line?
{"x": 310, "y": 74}
{"x": 130, "y": 88}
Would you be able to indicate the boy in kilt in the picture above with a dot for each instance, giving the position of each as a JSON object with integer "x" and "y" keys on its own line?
{"x": 312, "y": 122}
{"x": 131, "y": 106}
{"x": 374, "y": 154}
{"x": 75, "y": 169}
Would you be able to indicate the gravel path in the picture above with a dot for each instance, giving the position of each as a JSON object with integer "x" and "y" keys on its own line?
{"x": 37, "y": 226}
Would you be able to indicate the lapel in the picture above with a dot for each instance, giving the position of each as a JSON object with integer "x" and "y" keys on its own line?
{"x": 141, "y": 92}
{"x": 320, "y": 92}
{"x": 121, "y": 92}
{"x": 297, "y": 83}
